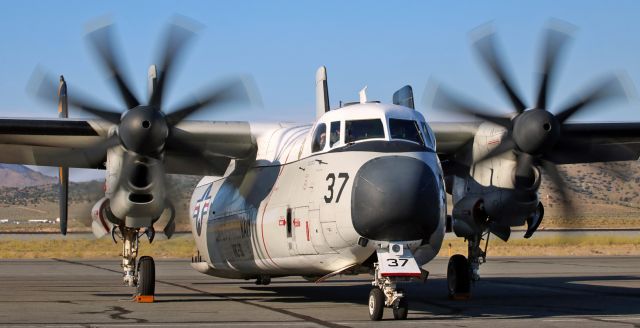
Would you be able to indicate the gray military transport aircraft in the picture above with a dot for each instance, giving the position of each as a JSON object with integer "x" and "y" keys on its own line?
{"x": 361, "y": 189}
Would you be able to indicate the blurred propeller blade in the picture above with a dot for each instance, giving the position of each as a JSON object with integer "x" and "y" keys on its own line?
{"x": 233, "y": 91}
{"x": 44, "y": 86}
{"x": 180, "y": 141}
{"x": 524, "y": 170}
{"x": 92, "y": 108}
{"x": 175, "y": 41}
{"x": 556, "y": 38}
{"x": 506, "y": 144}
{"x": 94, "y": 154}
{"x": 102, "y": 41}
{"x": 442, "y": 98}
{"x": 612, "y": 87}
{"x": 558, "y": 182}
{"x": 486, "y": 47}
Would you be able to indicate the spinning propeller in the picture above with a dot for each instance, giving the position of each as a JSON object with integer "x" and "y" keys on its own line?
{"x": 534, "y": 134}
{"x": 146, "y": 131}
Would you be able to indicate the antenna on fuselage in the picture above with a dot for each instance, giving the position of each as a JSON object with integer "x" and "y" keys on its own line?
{"x": 363, "y": 95}
{"x": 322, "y": 92}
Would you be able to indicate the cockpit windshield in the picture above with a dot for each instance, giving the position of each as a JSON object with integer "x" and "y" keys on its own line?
{"x": 363, "y": 129}
{"x": 405, "y": 129}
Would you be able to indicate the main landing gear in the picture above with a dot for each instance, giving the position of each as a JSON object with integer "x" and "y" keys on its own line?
{"x": 461, "y": 272}
{"x": 142, "y": 276}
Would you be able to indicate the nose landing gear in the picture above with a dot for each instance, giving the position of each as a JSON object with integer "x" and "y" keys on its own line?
{"x": 395, "y": 264}
{"x": 385, "y": 294}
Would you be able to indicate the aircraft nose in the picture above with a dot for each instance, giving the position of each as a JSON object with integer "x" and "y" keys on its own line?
{"x": 396, "y": 198}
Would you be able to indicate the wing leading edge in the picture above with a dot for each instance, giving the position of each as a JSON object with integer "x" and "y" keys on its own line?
{"x": 605, "y": 142}
{"x": 65, "y": 142}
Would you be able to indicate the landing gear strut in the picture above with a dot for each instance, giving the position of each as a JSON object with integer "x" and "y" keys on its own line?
{"x": 385, "y": 294}
{"x": 142, "y": 276}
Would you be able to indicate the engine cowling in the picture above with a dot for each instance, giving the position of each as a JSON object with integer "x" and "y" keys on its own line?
{"x": 498, "y": 210}
{"x": 468, "y": 216}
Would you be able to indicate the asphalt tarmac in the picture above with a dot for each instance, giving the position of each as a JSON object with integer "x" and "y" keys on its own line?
{"x": 514, "y": 292}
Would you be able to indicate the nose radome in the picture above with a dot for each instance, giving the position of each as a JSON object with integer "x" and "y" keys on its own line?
{"x": 395, "y": 198}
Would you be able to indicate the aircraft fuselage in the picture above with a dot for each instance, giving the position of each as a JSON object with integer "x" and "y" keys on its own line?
{"x": 314, "y": 214}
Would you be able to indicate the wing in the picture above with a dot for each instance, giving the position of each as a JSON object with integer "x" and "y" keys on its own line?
{"x": 49, "y": 142}
{"x": 601, "y": 142}
{"x": 580, "y": 142}
{"x": 66, "y": 142}
{"x": 452, "y": 136}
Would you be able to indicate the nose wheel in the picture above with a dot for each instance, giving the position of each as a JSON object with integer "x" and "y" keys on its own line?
{"x": 388, "y": 297}
{"x": 401, "y": 308}
{"x": 376, "y": 304}
{"x": 385, "y": 294}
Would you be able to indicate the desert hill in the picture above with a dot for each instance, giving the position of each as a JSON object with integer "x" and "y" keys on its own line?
{"x": 20, "y": 175}
{"x": 38, "y": 198}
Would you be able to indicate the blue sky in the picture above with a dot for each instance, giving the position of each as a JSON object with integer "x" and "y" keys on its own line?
{"x": 383, "y": 45}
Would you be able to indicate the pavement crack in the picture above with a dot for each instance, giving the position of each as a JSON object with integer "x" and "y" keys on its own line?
{"x": 118, "y": 313}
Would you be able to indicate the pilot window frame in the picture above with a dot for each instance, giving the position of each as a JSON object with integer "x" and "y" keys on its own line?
{"x": 348, "y": 126}
{"x": 332, "y": 127}
{"x": 393, "y": 124}
{"x": 316, "y": 145}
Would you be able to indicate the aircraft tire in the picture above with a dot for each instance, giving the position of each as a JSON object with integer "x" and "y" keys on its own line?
{"x": 459, "y": 277}
{"x": 376, "y": 304}
{"x": 146, "y": 276}
{"x": 401, "y": 309}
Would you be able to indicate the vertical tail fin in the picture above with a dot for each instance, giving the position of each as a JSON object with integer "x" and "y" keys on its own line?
{"x": 404, "y": 97}
{"x": 63, "y": 112}
{"x": 322, "y": 92}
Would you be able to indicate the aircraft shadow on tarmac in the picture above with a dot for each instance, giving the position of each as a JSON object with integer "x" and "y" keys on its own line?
{"x": 537, "y": 297}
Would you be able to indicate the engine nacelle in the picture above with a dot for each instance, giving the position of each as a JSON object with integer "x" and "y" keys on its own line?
{"x": 468, "y": 216}
{"x": 137, "y": 195}
{"x": 509, "y": 207}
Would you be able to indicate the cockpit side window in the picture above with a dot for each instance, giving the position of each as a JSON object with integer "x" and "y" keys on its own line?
{"x": 429, "y": 137}
{"x": 334, "y": 133}
{"x": 319, "y": 138}
{"x": 405, "y": 129}
{"x": 363, "y": 129}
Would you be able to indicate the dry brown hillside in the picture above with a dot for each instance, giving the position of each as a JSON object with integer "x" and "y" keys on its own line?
{"x": 602, "y": 193}
{"x": 41, "y": 201}
{"x": 605, "y": 195}
{"x": 20, "y": 175}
